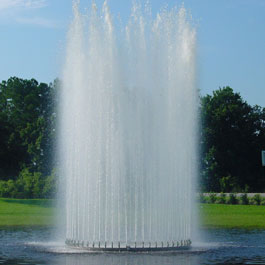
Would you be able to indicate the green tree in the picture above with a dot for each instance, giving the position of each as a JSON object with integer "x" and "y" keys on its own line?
{"x": 233, "y": 135}
{"x": 27, "y": 126}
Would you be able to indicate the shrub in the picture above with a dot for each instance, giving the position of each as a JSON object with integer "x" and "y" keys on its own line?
{"x": 50, "y": 186}
{"x": 262, "y": 201}
{"x": 227, "y": 183}
{"x": 38, "y": 184}
{"x": 252, "y": 201}
{"x": 3, "y": 189}
{"x": 31, "y": 184}
{"x": 20, "y": 189}
{"x": 222, "y": 198}
{"x": 26, "y": 180}
{"x": 244, "y": 199}
{"x": 207, "y": 199}
{"x": 257, "y": 199}
{"x": 11, "y": 188}
{"x": 8, "y": 189}
{"x": 232, "y": 199}
{"x": 212, "y": 198}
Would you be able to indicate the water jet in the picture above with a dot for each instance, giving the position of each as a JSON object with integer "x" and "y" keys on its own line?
{"x": 128, "y": 126}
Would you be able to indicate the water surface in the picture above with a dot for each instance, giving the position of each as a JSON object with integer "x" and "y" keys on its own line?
{"x": 220, "y": 246}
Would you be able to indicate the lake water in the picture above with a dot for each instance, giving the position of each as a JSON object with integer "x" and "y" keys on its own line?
{"x": 220, "y": 246}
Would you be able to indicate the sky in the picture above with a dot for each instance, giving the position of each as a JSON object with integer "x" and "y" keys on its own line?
{"x": 230, "y": 40}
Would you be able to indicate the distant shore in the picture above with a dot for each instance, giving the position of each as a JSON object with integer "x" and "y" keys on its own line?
{"x": 238, "y": 194}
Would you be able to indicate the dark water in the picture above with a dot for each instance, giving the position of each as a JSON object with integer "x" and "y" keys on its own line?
{"x": 34, "y": 246}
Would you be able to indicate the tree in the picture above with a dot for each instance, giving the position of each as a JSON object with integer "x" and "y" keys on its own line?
{"x": 233, "y": 135}
{"x": 27, "y": 122}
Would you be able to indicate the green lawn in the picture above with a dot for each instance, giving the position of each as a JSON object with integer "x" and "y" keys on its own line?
{"x": 232, "y": 216}
{"x": 15, "y": 212}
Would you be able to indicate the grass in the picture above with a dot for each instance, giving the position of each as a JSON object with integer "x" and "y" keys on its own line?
{"x": 18, "y": 212}
{"x": 232, "y": 216}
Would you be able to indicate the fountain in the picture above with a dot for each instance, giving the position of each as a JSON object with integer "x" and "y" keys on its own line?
{"x": 128, "y": 126}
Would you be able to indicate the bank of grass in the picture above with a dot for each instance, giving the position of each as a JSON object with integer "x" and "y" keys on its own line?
{"x": 39, "y": 212}
{"x": 232, "y": 216}
{"x": 23, "y": 212}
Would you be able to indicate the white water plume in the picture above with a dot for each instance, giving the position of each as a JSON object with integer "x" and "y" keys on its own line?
{"x": 128, "y": 127}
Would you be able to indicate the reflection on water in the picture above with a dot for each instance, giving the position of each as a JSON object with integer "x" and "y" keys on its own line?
{"x": 128, "y": 259}
{"x": 34, "y": 246}
{"x": 18, "y": 261}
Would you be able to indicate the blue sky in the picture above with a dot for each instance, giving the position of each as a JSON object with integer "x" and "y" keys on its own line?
{"x": 231, "y": 40}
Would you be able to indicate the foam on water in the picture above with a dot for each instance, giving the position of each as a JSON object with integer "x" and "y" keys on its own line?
{"x": 128, "y": 126}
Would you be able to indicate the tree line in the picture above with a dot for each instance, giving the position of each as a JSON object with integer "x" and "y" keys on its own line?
{"x": 231, "y": 140}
